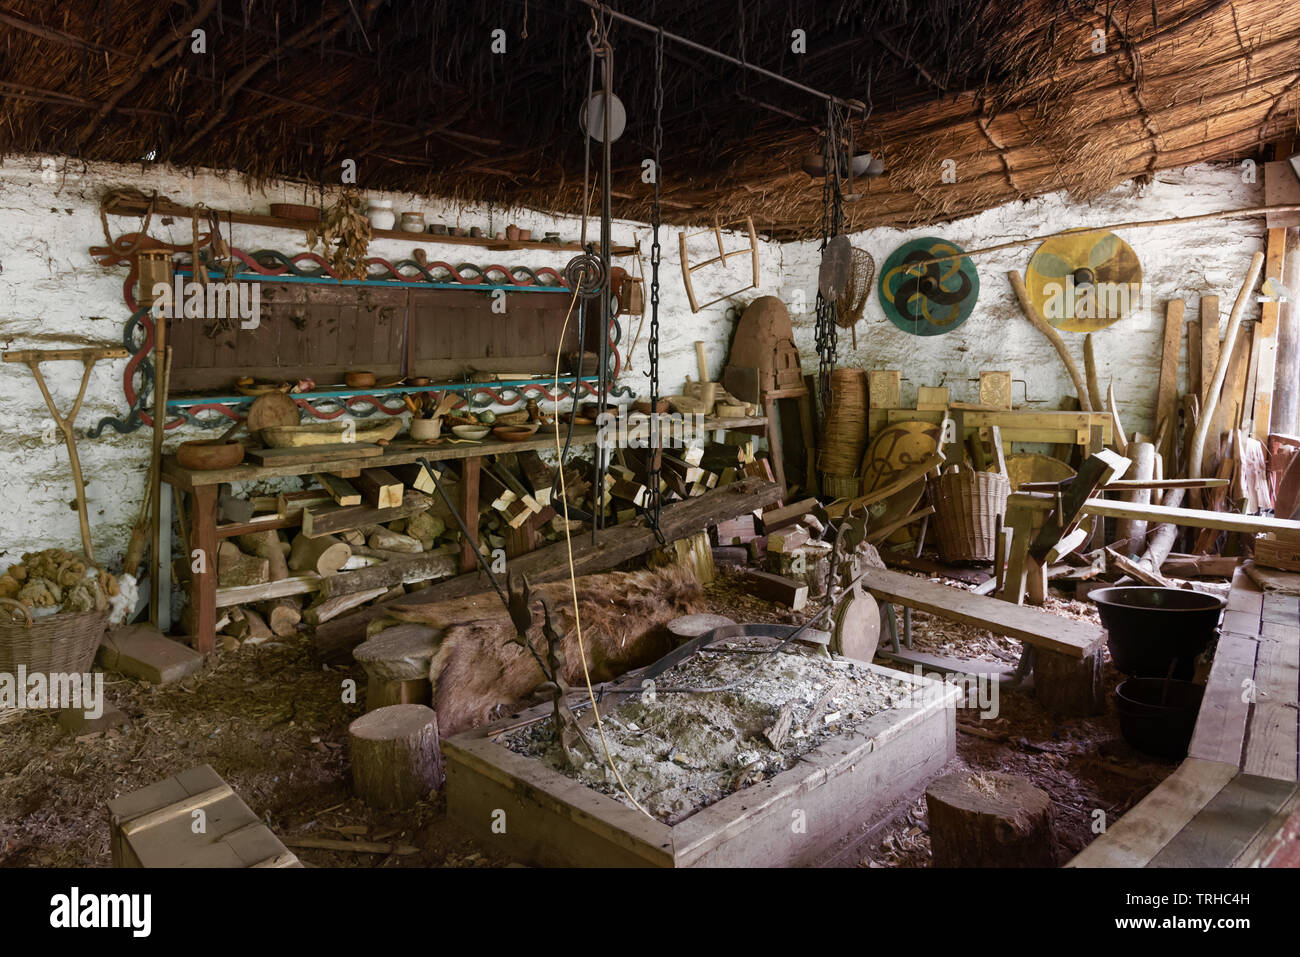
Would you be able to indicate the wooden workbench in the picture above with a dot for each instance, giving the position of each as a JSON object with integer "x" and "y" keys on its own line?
{"x": 206, "y": 532}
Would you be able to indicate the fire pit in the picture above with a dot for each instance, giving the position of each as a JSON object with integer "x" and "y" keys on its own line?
{"x": 798, "y": 751}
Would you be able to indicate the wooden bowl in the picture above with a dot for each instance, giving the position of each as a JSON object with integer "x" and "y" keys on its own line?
{"x": 470, "y": 431}
{"x": 591, "y": 410}
{"x": 643, "y": 406}
{"x": 209, "y": 454}
{"x": 515, "y": 433}
{"x": 359, "y": 380}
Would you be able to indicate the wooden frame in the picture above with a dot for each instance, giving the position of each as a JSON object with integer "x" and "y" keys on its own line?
{"x": 716, "y": 231}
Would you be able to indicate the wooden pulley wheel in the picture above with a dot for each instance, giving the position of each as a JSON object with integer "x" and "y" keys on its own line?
{"x": 856, "y": 632}
{"x": 272, "y": 410}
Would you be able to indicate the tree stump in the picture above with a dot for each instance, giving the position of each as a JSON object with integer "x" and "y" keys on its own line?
{"x": 989, "y": 819}
{"x": 397, "y": 662}
{"x": 396, "y": 757}
{"x": 1070, "y": 686}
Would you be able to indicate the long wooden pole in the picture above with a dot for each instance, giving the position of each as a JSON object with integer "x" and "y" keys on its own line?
{"x": 163, "y": 365}
{"x": 1138, "y": 224}
{"x": 1215, "y": 385}
{"x": 1054, "y": 337}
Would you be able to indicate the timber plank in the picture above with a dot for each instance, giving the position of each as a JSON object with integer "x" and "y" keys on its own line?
{"x": 1032, "y": 625}
{"x": 1274, "y": 741}
{"x": 1195, "y": 517}
{"x": 1137, "y": 837}
{"x": 1221, "y": 831}
{"x": 1220, "y": 733}
{"x": 1167, "y": 396}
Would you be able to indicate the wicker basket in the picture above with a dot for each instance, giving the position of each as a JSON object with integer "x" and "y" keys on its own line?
{"x": 967, "y": 507}
{"x": 841, "y": 486}
{"x": 63, "y": 643}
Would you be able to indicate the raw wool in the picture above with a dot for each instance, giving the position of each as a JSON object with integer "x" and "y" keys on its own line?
{"x": 679, "y": 752}
{"x": 477, "y": 672}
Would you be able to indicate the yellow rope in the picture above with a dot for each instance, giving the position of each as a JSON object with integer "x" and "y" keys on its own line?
{"x": 573, "y": 580}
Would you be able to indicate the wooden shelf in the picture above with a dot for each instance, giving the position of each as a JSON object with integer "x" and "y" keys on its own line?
{"x": 166, "y": 208}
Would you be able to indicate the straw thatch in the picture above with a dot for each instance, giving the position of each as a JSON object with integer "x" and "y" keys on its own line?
{"x": 1016, "y": 94}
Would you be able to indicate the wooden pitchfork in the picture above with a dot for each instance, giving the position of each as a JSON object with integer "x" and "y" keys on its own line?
{"x": 88, "y": 357}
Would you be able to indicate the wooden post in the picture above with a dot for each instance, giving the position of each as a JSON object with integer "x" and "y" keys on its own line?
{"x": 203, "y": 584}
{"x": 468, "y": 506}
{"x": 1285, "y": 416}
{"x": 1266, "y": 339}
{"x": 396, "y": 757}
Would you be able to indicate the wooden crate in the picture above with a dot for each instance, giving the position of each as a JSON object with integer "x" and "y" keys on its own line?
{"x": 156, "y": 826}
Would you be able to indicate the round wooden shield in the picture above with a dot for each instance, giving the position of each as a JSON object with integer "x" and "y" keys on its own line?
{"x": 856, "y": 633}
{"x": 895, "y": 449}
{"x": 932, "y": 299}
{"x": 1084, "y": 281}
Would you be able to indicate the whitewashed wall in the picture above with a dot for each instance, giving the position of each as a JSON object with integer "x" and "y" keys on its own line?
{"x": 52, "y": 295}
{"x": 1208, "y": 258}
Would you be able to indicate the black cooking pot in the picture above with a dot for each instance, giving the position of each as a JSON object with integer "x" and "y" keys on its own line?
{"x": 1149, "y": 629}
{"x": 1157, "y": 715}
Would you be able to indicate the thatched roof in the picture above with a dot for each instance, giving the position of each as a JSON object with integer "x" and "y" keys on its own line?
{"x": 1016, "y": 93}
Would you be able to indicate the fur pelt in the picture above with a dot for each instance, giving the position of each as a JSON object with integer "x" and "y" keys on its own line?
{"x": 477, "y": 673}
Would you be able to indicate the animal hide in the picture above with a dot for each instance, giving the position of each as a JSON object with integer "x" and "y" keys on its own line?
{"x": 477, "y": 674}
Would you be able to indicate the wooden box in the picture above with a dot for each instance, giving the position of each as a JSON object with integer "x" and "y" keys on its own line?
{"x": 843, "y": 786}
{"x": 157, "y": 827}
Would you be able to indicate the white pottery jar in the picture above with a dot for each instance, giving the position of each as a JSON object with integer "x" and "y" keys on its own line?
{"x": 381, "y": 215}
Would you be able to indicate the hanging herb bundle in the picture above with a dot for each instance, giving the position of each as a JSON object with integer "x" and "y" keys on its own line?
{"x": 344, "y": 236}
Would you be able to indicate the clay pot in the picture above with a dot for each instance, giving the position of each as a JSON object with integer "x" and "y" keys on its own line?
{"x": 525, "y": 235}
{"x": 381, "y": 215}
{"x": 512, "y": 233}
{"x": 413, "y": 222}
{"x": 209, "y": 454}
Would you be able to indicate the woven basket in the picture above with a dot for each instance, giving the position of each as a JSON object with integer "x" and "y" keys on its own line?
{"x": 844, "y": 431}
{"x": 64, "y": 643}
{"x": 967, "y": 507}
{"x": 841, "y": 486}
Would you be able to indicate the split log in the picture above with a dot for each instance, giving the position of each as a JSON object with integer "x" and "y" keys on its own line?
{"x": 234, "y": 568}
{"x": 426, "y": 527}
{"x": 990, "y": 819}
{"x": 339, "y": 489}
{"x": 267, "y": 545}
{"x": 248, "y": 626}
{"x": 381, "y": 488}
{"x": 323, "y": 611}
{"x": 1197, "y": 446}
{"x": 283, "y": 616}
{"x": 1143, "y": 469}
{"x": 386, "y": 540}
{"x": 396, "y": 756}
{"x": 324, "y": 555}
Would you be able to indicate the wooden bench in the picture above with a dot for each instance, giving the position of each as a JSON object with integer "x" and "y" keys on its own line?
{"x": 1066, "y": 653}
{"x": 1230, "y": 802}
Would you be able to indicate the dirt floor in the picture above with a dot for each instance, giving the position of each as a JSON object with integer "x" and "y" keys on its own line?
{"x": 273, "y": 724}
